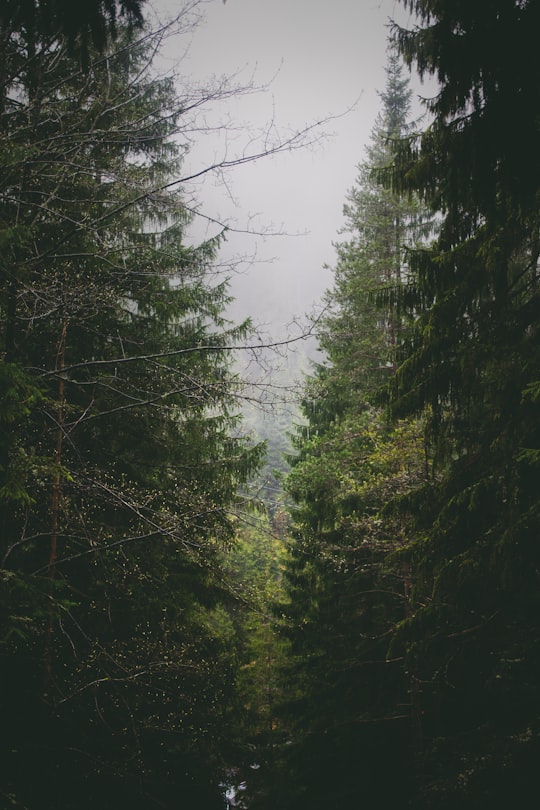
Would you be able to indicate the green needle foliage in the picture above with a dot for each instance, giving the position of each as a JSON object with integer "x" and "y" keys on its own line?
{"x": 87, "y": 23}
{"x": 471, "y": 366}
{"x": 351, "y": 707}
{"x": 120, "y": 456}
{"x": 414, "y": 619}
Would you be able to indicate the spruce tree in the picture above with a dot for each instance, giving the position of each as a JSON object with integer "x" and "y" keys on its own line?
{"x": 471, "y": 365}
{"x": 350, "y": 709}
{"x": 360, "y": 334}
{"x": 120, "y": 463}
{"x": 92, "y": 22}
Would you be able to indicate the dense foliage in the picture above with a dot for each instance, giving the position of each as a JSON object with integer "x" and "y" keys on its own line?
{"x": 471, "y": 365}
{"x": 84, "y": 23}
{"x": 349, "y": 709}
{"x": 413, "y": 576}
{"x": 119, "y": 461}
{"x": 162, "y": 642}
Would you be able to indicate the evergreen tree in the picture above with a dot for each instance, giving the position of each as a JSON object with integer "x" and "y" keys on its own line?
{"x": 254, "y": 567}
{"x": 382, "y": 226}
{"x": 350, "y": 711}
{"x": 84, "y": 23}
{"x": 119, "y": 462}
{"x": 471, "y": 365}
{"x": 359, "y": 336}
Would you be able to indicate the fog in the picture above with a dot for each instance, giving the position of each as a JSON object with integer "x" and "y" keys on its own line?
{"x": 317, "y": 60}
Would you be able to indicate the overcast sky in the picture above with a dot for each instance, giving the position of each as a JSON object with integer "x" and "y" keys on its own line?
{"x": 321, "y": 57}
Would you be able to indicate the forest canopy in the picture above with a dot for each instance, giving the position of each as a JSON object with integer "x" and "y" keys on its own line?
{"x": 372, "y": 638}
{"x": 120, "y": 457}
{"x": 412, "y": 580}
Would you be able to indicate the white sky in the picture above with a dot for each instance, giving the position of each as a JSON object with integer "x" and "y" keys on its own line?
{"x": 325, "y": 55}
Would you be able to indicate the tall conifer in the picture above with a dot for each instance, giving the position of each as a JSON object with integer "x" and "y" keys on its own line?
{"x": 351, "y": 711}
{"x": 120, "y": 461}
{"x": 472, "y": 366}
